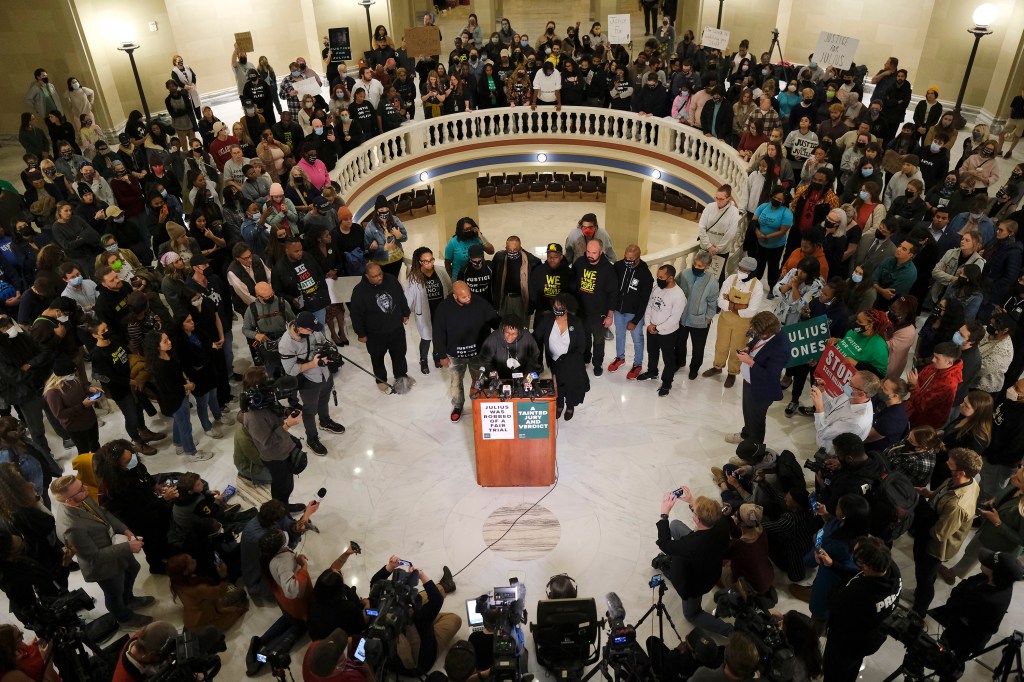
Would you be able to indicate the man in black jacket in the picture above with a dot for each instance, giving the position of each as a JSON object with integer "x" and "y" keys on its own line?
{"x": 716, "y": 117}
{"x": 510, "y": 292}
{"x": 300, "y": 281}
{"x": 549, "y": 279}
{"x": 598, "y": 294}
{"x": 696, "y": 555}
{"x": 112, "y": 299}
{"x": 1005, "y": 453}
{"x": 851, "y": 472}
{"x": 858, "y": 609}
{"x": 635, "y": 285}
{"x": 460, "y": 325}
{"x": 24, "y": 368}
{"x": 379, "y": 315}
{"x": 652, "y": 99}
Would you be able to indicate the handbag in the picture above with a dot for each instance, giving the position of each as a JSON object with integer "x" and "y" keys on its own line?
{"x": 298, "y": 460}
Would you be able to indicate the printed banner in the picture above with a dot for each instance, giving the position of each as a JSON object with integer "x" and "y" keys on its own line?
{"x": 497, "y": 421}
{"x": 532, "y": 420}
{"x": 807, "y": 340}
{"x": 835, "y": 370}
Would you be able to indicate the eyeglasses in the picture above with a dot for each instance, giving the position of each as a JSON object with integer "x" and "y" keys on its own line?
{"x": 426, "y": 261}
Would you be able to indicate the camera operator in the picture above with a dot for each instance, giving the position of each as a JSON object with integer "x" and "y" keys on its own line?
{"x": 268, "y": 428}
{"x": 328, "y": 660}
{"x": 976, "y": 607}
{"x": 203, "y": 525}
{"x": 740, "y": 665}
{"x": 435, "y": 629}
{"x": 23, "y": 579}
{"x": 697, "y": 650}
{"x": 858, "y": 609}
{"x": 696, "y": 555}
{"x": 142, "y": 653}
{"x": 266, "y": 320}
{"x": 560, "y": 586}
{"x": 272, "y": 514}
{"x": 316, "y": 377}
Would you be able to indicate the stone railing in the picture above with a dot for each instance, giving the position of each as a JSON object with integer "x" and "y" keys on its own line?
{"x": 627, "y": 130}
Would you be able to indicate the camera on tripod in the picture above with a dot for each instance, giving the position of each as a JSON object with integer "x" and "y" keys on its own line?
{"x": 753, "y": 616}
{"x": 190, "y": 654}
{"x": 923, "y": 651}
{"x": 268, "y": 396}
{"x": 394, "y": 599}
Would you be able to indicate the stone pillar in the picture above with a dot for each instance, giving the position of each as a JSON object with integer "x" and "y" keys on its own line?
{"x": 456, "y": 198}
{"x": 486, "y": 18}
{"x": 627, "y": 212}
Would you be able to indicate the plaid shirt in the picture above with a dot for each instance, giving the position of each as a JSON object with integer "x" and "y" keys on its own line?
{"x": 293, "y": 102}
{"x": 769, "y": 119}
{"x": 916, "y": 465}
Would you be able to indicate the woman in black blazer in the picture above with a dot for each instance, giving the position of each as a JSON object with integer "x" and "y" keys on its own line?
{"x": 568, "y": 368}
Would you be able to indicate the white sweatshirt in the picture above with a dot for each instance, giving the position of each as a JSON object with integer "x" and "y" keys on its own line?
{"x": 665, "y": 308}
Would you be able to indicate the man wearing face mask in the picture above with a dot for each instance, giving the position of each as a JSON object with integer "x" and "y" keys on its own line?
{"x": 510, "y": 280}
{"x": 597, "y": 291}
{"x": 42, "y": 97}
{"x": 662, "y": 316}
{"x": 701, "y": 292}
{"x": 635, "y": 284}
{"x": 90, "y": 529}
{"x": 585, "y": 230}
{"x": 738, "y": 299}
{"x": 549, "y": 279}
{"x": 718, "y": 226}
{"x": 258, "y": 95}
{"x": 297, "y": 348}
{"x": 322, "y": 146}
{"x": 67, "y": 161}
{"x": 240, "y": 67}
{"x": 895, "y": 101}
{"x": 24, "y": 367}
{"x": 934, "y": 161}
{"x": 1006, "y": 450}
{"x": 477, "y": 273}
{"x": 80, "y": 290}
{"x": 380, "y": 312}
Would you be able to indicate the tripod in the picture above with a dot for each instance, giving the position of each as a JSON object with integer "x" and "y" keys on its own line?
{"x": 629, "y": 666}
{"x": 662, "y": 614}
{"x": 775, "y": 46}
{"x": 1010, "y": 662}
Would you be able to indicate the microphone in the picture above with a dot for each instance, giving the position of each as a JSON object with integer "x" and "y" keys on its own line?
{"x": 616, "y": 612}
{"x": 321, "y": 494}
{"x": 479, "y": 384}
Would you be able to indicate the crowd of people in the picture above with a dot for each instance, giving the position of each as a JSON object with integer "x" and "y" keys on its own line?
{"x": 127, "y": 270}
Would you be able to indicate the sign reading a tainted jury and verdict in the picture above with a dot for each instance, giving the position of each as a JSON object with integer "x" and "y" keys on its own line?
{"x": 532, "y": 419}
{"x": 807, "y": 340}
{"x": 497, "y": 421}
{"x": 835, "y": 50}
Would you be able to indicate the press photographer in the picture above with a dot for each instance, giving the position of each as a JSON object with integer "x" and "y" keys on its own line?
{"x": 409, "y": 630}
{"x": 308, "y": 355}
{"x": 266, "y": 320}
{"x": 499, "y": 651}
{"x": 266, "y": 423}
{"x": 157, "y": 653}
{"x": 331, "y": 660}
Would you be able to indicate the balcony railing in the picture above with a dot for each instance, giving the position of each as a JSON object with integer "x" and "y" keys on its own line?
{"x": 596, "y": 126}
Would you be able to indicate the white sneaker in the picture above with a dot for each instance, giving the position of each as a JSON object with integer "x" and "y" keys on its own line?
{"x": 225, "y": 420}
{"x": 178, "y": 450}
{"x": 199, "y": 456}
{"x": 734, "y": 438}
{"x": 215, "y": 432}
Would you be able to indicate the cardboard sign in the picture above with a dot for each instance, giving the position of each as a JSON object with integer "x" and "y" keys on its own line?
{"x": 717, "y": 38}
{"x": 807, "y": 340}
{"x": 497, "y": 421}
{"x": 835, "y": 370}
{"x": 306, "y": 86}
{"x": 835, "y": 50}
{"x": 340, "y": 44}
{"x": 423, "y": 40}
{"x": 532, "y": 420}
{"x": 244, "y": 41}
{"x": 717, "y": 263}
{"x": 618, "y": 29}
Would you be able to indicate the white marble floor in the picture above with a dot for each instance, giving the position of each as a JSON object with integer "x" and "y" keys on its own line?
{"x": 402, "y": 481}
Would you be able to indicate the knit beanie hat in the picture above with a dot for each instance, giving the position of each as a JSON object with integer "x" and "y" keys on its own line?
{"x": 381, "y": 202}
{"x": 175, "y": 231}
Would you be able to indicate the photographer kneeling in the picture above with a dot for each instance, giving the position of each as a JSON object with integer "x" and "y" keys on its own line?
{"x": 143, "y": 652}
{"x": 266, "y": 424}
{"x": 433, "y": 630}
{"x": 308, "y": 355}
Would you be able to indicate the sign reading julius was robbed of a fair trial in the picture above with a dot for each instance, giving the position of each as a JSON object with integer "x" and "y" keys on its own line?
{"x": 807, "y": 340}
{"x": 497, "y": 421}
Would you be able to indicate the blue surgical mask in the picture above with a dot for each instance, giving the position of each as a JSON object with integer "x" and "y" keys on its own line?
{"x": 866, "y": 172}
{"x": 112, "y": 248}
{"x": 524, "y": 43}
{"x": 958, "y": 338}
{"x": 76, "y": 281}
{"x": 935, "y": 147}
{"x": 848, "y": 390}
{"x": 296, "y": 74}
{"x": 864, "y": 196}
{"x": 856, "y": 277}
{"x": 318, "y": 131}
{"x": 163, "y": 193}
{"x": 133, "y": 462}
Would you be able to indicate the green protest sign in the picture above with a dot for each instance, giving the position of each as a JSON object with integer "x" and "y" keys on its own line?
{"x": 532, "y": 419}
{"x": 806, "y": 340}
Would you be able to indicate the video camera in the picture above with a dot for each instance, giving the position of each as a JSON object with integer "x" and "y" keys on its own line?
{"x": 509, "y": 603}
{"x": 923, "y": 650}
{"x": 754, "y": 617}
{"x": 188, "y": 654}
{"x": 394, "y": 598}
{"x": 330, "y": 356}
{"x": 266, "y": 396}
{"x": 58, "y": 617}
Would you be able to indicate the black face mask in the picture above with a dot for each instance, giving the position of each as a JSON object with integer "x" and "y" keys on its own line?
{"x": 879, "y": 235}
{"x": 662, "y": 283}
{"x": 513, "y": 255}
{"x": 243, "y": 60}
{"x": 776, "y": 203}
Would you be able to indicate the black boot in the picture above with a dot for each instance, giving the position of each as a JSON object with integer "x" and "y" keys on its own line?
{"x": 447, "y": 582}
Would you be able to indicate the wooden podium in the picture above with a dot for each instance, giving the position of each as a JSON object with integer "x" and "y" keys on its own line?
{"x": 514, "y": 441}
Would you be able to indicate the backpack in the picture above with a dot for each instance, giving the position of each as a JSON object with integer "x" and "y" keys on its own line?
{"x": 892, "y": 499}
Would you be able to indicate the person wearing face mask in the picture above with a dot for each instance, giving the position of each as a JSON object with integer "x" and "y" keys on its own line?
{"x": 547, "y": 87}
{"x": 510, "y": 349}
{"x": 258, "y": 96}
{"x": 701, "y": 303}
{"x": 635, "y": 285}
{"x": 511, "y": 270}
{"x": 996, "y": 354}
{"x": 895, "y": 101}
{"x": 1003, "y": 258}
{"x": 598, "y": 293}
{"x": 739, "y": 298}
{"x": 78, "y": 289}
{"x": 67, "y": 161}
{"x": 179, "y": 108}
{"x": 24, "y": 367}
{"x": 934, "y": 161}
{"x": 185, "y": 77}
{"x": 1010, "y": 194}
{"x": 41, "y": 97}
{"x": 1006, "y": 451}
{"x": 90, "y": 530}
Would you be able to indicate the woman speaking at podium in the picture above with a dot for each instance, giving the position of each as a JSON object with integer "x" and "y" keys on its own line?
{"x": 510, "y": 349}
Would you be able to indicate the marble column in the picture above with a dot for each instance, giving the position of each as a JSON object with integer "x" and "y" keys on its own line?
{"x": 456, "y": 198}
{"x": 627, "y": 212}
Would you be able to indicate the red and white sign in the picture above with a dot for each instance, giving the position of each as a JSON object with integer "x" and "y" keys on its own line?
{"x": 835, "y": 370}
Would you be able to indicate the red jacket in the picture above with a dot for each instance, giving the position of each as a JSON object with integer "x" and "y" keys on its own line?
{"x": 932, "y": 400}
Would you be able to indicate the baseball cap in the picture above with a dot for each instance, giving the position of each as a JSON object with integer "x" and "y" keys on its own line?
{"x": 112, "y": 211}
{"x": 198, "y": 259}
{"x": 218, "y": 126}
{"x": 704, "y": 648}
{"x": 504, "y": 53}
{"x": 307, "y": 320}
{"x": 321, "y": 203}
{"x": 1006, "y": 568}
{"x": 553, "y": 247}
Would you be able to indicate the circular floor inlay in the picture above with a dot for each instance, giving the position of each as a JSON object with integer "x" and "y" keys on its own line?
{"x": 533, "y": 536}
